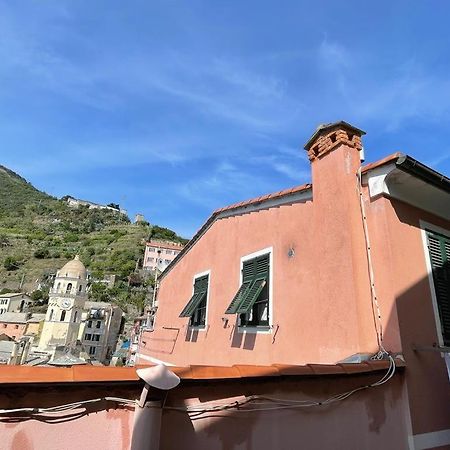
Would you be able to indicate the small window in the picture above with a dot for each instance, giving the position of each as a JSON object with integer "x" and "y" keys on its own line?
{"x": 89, "y": 324}
{"x": 51, "y": 315}
{"x": 75, "y": 316}
{"x": 196, "y": 307}
{"x": 63, "y": 316}
{"x": 92, "y": 350}
{"x": 439, "y": 248}
{"x": 5, "y": 326}
{"x": 69, "y": 288}
{"x": 16, "y": 327}
{"x": 98, "y": 324}
{"x": 80, "y": 287}
{"x": 87, "y": 337}
{"x": 96, "y": 337}
{"x": 251, "y": 301}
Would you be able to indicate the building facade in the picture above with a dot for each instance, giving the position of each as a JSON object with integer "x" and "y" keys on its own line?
{"x": 14, "y": 302}
{"x": 100, "y": 328}
{"x": 159, "y": 254}
{"x": 348, "y": 268}
{"x": 65, "y": 305}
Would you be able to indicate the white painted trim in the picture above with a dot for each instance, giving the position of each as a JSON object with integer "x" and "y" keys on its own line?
{"x": 153, "y": 360}
{"x": 431, "y": 440}
{"x": 423, "y": 227}
{"x": 297, "y": 197}
{"x": 264, "y": 329}
{"x": 198, "y": 275}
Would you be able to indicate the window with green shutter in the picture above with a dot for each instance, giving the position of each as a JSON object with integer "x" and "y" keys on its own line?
{"x": 196, "y": 306}
{"x": 251, "y": 301}
{"x": 439, "y": 249}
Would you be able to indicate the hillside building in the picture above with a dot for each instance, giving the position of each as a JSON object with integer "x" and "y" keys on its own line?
{"x": 159, "y": 254}
{"x": 100, "y": 328}
{"x": 14, "y": 302}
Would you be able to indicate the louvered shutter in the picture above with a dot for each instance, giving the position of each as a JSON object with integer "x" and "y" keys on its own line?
{"x": 200, "y": 291}
{"x": 237, "y": 299}
{"x": 252, "y": 295}
{"x": 255, "y": 274}
{"x": 439, "y": 248}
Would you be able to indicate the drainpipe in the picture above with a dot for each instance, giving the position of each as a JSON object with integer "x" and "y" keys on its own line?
{"x": 148, "y": 414}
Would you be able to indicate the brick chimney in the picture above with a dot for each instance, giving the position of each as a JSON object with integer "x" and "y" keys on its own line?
{"x": 340, "y": 260}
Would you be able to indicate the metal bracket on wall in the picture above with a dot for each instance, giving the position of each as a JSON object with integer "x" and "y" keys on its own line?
{"x": 431, "y": 348}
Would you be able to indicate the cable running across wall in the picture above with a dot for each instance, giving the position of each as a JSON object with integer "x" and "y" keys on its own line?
{"x": 253, "y": 403}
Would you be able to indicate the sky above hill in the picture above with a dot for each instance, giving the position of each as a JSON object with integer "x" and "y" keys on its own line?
{"x": 175, "y": 108}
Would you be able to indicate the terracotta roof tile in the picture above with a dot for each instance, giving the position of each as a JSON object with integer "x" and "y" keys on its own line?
{"x": 294, "y": 370}
{"x": 89, "y": 374}
{"x": 257, "y": 371}
{"x": 380, "y": 162}
{"x": 326, "y": 369}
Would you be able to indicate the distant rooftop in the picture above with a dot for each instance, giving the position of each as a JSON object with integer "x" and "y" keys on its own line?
{"x": 14, "y": 317}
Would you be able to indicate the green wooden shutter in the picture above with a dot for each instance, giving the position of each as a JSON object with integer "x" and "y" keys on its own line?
{"x": 200, "y": 291}
{"x": 439, "y": 248}
{"x": 237, "y": 299}
{"x": 252, "y": 295}
{"x": 255, "y": 274}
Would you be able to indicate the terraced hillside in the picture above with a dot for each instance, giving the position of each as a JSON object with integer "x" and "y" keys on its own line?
{"x": 39, "y": 234}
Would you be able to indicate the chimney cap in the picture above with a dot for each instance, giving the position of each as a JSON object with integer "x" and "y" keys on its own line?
{"x": 328, "y": 126}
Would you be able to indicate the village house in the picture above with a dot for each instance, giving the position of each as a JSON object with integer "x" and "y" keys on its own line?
{"x": 14, "y": 302}
{"x": 351, "y": 267}
{"x": 99, "y": 329}
{"x": 159, "y": 254}
{"x": 314, "y": 318}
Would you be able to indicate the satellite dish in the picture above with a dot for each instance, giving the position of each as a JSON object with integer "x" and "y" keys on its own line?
{"x": 159, "y": 377}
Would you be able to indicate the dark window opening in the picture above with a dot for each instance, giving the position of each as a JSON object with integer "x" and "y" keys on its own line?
{"x": 196, "y": 307}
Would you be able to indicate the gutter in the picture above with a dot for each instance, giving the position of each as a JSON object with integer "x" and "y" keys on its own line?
{"x": 416, "y": 168}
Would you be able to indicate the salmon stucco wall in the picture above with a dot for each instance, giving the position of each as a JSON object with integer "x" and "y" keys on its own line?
{"x": 405, "y": 297}
{"x": 321, "y": 307}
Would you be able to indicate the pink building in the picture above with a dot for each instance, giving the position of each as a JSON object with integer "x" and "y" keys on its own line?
{"x": 159, "y": 254}
{"x": 353, "y": 265}
{"x": 313, "y": 318}
{"x": 14, "y": 324}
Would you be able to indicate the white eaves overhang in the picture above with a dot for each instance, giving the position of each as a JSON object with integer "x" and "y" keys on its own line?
{"x": 411, "y": 182}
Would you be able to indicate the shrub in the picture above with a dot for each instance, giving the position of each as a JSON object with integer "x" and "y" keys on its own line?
{"x": 42, "y": 253}
{"x": 11, "y": 263}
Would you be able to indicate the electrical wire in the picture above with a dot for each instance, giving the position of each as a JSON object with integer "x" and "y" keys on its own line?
{"x": 253, "y": 403}
{"x": 256, "y": 403}
{"x": 382, "y": 353}
{"x": 66, "y": 407}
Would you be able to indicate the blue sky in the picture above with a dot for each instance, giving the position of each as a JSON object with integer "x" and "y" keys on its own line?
{"x": 175, "y": 108}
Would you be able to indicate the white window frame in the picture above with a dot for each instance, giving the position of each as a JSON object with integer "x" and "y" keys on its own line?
{"x": 263, "y": 329}
{"x": 198, "y": 275}
{"x": 424, "y": 226}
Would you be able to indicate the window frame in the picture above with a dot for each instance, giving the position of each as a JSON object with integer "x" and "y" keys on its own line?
{"x": 263, "y": 329}
{"x": 424, "y": 228}
{"x": 194, "y": 278}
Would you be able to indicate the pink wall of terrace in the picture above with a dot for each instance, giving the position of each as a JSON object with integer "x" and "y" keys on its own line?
{"x": 372, "y": 419}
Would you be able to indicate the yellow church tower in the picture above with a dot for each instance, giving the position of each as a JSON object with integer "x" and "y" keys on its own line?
{"x": 66, "y": 301}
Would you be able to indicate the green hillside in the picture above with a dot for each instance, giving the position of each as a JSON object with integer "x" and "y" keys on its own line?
{"x": 39, "y": 234}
